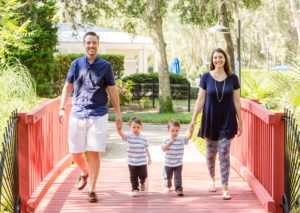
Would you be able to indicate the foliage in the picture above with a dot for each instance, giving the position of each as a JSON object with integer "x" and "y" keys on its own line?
{"x": 124, "y": 91}
{"x": 199, "y": 142}
{"x": 144, "y": 101}
{"x": 194, "y": 92}
{"x": 286, "y": 87}
{"x": 154, "y": 117}
{"x": 13, "y": 32}
{"x": 153, "y": 78}
{"x": 256, "y": 85}
{"x": 205, "y": 13}
{"x": 17, "y": 91}
{"x": 150, "y": 13}
{"x": 166, "y": 105}
{"x": 128, "y": 11}
{"x": 268, "y": 44}
{"x": 63, "y": 62}
{"x": 195, "y": 74}
{"x": 117, "y": 62}
{"x": 39, "y": 57}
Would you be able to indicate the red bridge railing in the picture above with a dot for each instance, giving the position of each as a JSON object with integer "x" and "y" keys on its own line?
{"x": 258, "y": 155}
{"x": 43, "y": 151}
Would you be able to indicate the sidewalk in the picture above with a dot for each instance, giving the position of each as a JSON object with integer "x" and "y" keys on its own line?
{"x": 155, "y": 134}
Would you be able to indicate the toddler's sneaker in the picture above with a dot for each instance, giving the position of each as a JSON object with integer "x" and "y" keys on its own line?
{"x": 135, "y": 193}
{"x": 167, "y": 189}
{"x": 143, "y": 187}
{"x": 179, "y": 193}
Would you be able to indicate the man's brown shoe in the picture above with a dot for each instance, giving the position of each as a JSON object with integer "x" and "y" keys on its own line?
{"x": 93, "y": 197}
{"x": 82, "y": 181}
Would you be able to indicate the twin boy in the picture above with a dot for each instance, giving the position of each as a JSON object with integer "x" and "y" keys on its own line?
{"x": 138, "y": 153}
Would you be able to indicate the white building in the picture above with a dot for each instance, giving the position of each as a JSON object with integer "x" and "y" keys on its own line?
{"x": 135, "y": 48}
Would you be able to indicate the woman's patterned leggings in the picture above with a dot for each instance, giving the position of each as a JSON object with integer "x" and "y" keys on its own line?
{"x": 212, "y": 148}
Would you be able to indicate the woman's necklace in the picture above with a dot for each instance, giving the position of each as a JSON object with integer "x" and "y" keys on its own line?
{"x": 220, "y": 99}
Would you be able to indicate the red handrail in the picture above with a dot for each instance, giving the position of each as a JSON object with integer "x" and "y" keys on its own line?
{"x": 258, "y": 155}
{"x": 43, "y": 151}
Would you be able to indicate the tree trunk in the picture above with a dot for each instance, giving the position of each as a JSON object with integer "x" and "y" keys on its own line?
{"x": 296, "y": 19}
{"x": 227, "y": 36}
{"x": 35, "y": 15}
{"x": 160, "y": 46}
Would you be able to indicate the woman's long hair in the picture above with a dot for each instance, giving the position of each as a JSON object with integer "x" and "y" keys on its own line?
{"x": 227, "y": 68}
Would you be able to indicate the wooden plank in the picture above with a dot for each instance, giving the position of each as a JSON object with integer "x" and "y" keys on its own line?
{"x": 115, "y": 195}
{"x": 47, "y": 182}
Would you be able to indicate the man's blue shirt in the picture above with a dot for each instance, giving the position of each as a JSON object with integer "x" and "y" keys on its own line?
{"x": 90, "y": 82}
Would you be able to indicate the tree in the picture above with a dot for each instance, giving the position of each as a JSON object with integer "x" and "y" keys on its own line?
{"x": 205, "y": 14}
{"x": 12, "y": 32}
{"x": 155, "y": 21}
{"x": 39, "y": 58}
{"x": 227, "y": 36}
{"x": 150, "y": 12}
{"x": 296, "y": 19}
{"x": 17, "y": 90}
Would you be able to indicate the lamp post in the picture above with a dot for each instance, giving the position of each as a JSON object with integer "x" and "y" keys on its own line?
{"x": 222, "y": 29}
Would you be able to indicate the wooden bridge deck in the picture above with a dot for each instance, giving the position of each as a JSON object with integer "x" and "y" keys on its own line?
{"x": 113, "y": 188}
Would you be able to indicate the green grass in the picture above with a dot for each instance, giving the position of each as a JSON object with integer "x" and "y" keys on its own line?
{"x": 155, "y": 117}
{"x": 183, "y": 102}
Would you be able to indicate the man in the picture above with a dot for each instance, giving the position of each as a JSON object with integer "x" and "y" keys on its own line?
{"x": 90, "y": 77}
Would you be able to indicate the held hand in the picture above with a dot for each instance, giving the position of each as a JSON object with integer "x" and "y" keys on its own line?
{"x": 62, "y": 116}
{"x": 119, "y": 121}
{"x": 119, "y": 131}
{"x": 191, "y": 127}
{"x": 240, "y": 129}
{"x": 149, "y": 161}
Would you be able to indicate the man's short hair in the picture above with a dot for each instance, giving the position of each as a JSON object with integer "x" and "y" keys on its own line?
{"x": 91, "y": 34}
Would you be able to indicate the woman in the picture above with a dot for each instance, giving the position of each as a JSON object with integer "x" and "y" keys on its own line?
{"x": 219, "y": 97}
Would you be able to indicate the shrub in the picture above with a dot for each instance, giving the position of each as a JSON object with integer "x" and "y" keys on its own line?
{"x": 194, "y": 92}
{"x": 198, "y": 141}
{"x": 63, "y": 62}
{"x": 42, "y": 39}
{"x": 139, "y": 91}
{"x": 153, "y": 78}
{"x": 124, "y": 90}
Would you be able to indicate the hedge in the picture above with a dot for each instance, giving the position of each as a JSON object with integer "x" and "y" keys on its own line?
{"x": 140, "y": 91}
{"x": 63, "y": 62}
{"x": 153, "y": 78}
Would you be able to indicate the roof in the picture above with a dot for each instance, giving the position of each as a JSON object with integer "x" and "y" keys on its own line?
{"x": 66, "y": 34}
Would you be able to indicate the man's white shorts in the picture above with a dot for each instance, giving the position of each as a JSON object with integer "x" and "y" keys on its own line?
{"x": 87, "y": 134}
